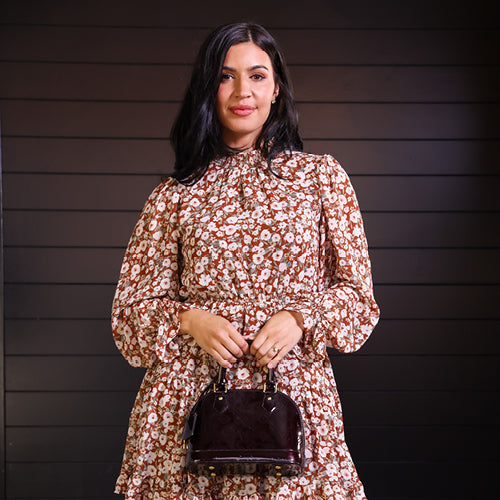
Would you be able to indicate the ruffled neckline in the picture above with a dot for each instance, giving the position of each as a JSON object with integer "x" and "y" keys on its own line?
{"x": 249, "y": 157}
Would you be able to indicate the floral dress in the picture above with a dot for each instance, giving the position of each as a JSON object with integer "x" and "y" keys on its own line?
{"x": 243, "y": 243}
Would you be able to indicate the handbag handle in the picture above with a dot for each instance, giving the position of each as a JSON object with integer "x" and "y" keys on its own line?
{"x": 220, "y": 383}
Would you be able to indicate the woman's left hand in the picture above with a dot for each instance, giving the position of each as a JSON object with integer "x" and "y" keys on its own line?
{"x": 277, "y": 338}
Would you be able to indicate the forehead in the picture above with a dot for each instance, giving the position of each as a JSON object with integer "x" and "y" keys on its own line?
{"x": 246, "y": 54}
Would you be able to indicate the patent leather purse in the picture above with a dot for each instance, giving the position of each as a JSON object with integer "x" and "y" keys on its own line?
{"x": 244, "y": 431}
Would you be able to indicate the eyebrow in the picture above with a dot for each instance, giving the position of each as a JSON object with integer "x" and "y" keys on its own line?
{"x": 252, "y": 68}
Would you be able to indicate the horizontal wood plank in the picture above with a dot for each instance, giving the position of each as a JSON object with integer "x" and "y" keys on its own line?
{"x": 141, "y": 156}
{"x": 155, "y": 157}
{"x": 390, "y": 266}
{"x": 65, "y": 444}
{"x": 361, "y": 373}
{"x": 105, "y": 444}
{"x": 440, "y": 373}
{"x": 396, "y": 337}
{"x": 317, "y": 121}
{"x": 289, "y": 13}
{"x": 429, "y": 480}
{"x": 78, "y": 192}
{"x": 306, "y": 46}
{"x": 383, "y": 229}
{"x": 59, "y": 337}
{"x": 70, "y": 373}
{"x": 443, "y": 266}
{"x": 61, "y": 480}
{"x": 87, "y": 301}
{"x": 55, "y": 480}
{"x": 122, "y": 82}
{"x": 69, "y": 408}
{"x": 398, "y": 121}
{"x": 466, "y": 230}
{"x": 375, "y": 193}
{"x": 80, "y": 228}
{"x": 398, "y": 444}
{"x": 401, "y": 408}
{"x": 438, "y": 302}
{"x": 451, "y": 337}
{"x": 360, "y": 408}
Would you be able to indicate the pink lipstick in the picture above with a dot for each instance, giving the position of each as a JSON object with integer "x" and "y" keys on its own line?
{"x": 242, "y": 110}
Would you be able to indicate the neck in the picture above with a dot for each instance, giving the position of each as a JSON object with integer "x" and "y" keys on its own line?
{"x": 239, "y": 143}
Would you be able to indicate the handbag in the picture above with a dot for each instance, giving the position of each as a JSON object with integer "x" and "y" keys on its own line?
{"x": 244, "y": 431}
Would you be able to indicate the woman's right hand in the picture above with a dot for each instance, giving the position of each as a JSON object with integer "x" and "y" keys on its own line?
{"x": 215, "y": 335}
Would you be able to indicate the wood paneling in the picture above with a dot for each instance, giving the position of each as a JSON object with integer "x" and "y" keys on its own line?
{"x": 318, "y": 121}
{"x": 70, "y": 301}
{"x": 376, "y": 193}
{"x": 442, "y": 479}
{"x": 359, "y": 373}
{"x": 62, "y": 409}
{"x": 384, "y": 229}
{"x": 125, "y": 82}
{"x": 403, "y": 94}
{"x": 279, "y": 13}
{"x": 61, "y": 480}
{"x": 303, "y": 46}
{"x": 60, "y": 337}
{"x": 390, "y": 265}
{"x": 104, "y": 444}
{"x": 380, "y": 408}
{"x": 145, "y": 156}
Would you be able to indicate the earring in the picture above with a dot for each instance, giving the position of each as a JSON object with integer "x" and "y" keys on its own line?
{"x": 273, "y": 101}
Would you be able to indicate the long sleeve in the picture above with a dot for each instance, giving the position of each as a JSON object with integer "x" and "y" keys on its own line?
{"x": 146, "y": 306}
{"x": 343, "y": 314}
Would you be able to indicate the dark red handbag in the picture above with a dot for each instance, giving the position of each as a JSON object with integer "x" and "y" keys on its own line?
{"x": 244, "y": 431}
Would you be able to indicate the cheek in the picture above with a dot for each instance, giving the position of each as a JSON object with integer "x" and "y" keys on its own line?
{"x": 219, "y": 103}
{"x": 267, "y": 94}
{"x": 223, "y": 94}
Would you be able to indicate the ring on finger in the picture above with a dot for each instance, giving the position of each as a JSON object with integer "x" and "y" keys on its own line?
{"x": 276, "y": 350}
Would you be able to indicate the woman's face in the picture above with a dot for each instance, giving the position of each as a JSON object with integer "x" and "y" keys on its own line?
{"x": 245, "y": 93}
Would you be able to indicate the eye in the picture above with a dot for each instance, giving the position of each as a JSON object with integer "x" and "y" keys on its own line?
{"x": 226, "y": 76}
{"x": 258, "y": 76}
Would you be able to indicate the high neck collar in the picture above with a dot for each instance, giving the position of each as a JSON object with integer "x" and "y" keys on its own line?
{"x": 249, "y": 156}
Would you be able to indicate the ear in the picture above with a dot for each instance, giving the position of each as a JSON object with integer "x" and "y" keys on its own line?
{"x": 276, "y": 91}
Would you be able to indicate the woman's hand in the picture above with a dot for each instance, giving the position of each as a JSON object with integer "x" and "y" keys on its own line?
{"x": 215, "y": 335}
{"x": 277, "y": 338}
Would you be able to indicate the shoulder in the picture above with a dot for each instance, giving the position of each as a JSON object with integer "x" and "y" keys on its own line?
{"x": 169, "y": 189}
{"x": 165, "y": 197}
{"x": 323, "y": 167}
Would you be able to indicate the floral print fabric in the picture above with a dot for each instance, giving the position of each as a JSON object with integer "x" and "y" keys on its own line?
{"x": 243, "y": 243}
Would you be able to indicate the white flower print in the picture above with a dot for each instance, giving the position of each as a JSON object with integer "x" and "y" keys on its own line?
{"x": 251, "y": 244}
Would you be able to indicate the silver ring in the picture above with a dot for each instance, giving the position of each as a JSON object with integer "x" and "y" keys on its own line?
{"x": 276, "y": 349}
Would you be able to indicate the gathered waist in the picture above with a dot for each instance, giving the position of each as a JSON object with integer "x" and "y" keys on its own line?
{"x": 247, "y": 314}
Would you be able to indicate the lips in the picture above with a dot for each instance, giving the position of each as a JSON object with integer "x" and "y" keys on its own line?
{"x": 242, "y": 110}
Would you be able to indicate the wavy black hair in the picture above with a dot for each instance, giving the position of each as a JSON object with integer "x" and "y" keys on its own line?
{"x": 196, "y": 134}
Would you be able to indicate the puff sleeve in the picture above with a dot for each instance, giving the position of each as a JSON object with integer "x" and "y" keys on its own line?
{"x": 146, "y": 306}
{"x": 343, "y": 313}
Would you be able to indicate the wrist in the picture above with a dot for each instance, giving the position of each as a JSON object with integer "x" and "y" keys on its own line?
{"x": 185, "y": 320}
{"x": 298, "y": 318}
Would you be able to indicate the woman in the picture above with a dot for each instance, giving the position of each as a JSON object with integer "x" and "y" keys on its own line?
{"x": 249, "y": 239}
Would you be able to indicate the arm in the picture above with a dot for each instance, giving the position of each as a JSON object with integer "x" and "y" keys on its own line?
{"x": 344, "y": 313}
{"x": 146, "y": 306}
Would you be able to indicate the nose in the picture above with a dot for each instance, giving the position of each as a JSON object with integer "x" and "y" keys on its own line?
{"x": 243, "y": 87}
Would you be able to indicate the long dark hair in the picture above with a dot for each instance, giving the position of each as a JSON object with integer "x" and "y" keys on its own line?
{"x": 196, "y": 133}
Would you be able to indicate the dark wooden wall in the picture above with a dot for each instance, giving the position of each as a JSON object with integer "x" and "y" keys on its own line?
{"x": 404, "y": 94}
